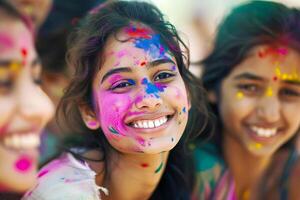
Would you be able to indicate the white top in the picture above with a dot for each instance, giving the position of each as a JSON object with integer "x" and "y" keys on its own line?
{"x": 65, "y": 178}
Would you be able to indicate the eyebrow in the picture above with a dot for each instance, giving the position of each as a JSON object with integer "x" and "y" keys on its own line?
{"x": 292, "y": 82}
{"x": 128, "y": 69}
{"x": 249, "y": 76}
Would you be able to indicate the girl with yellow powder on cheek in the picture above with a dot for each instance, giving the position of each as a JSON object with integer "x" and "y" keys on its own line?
{"x": 128, "y": 104}
{"x": 254, "y": 89}
{"x": 25, "y": 108}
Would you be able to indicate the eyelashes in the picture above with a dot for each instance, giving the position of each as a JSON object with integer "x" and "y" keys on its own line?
{"x": 161, "y": 77}
{"x": 257, "y": 90}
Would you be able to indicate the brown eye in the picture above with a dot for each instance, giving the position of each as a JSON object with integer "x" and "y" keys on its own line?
{"x": 6, "y": 82}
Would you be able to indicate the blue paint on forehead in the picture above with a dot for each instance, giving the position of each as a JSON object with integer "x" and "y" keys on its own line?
{"x": 152, "y": 89}
{"x": 153, "y": 46}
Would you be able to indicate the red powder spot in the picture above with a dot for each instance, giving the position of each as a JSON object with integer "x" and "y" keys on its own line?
{"x": 143, "y": 63}
{"x": 275, "y": 78}
{"x": 144, "y": 165}
{"x": 23, "y": 164}
{"x": 24, "y": 52}
{"x": 42, "y": 173}
{"x": 260, "y": 54}
{"x": 138, "y": 32}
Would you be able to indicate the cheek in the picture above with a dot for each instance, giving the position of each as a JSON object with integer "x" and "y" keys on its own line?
{"x": 112, "y": 110}
{"x": 7, "y": 111}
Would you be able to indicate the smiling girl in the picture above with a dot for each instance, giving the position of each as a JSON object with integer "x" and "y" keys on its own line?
{"x": 24, "y": 107}
{"x": 252, "y": 79}
{"x": 129, "y": 101}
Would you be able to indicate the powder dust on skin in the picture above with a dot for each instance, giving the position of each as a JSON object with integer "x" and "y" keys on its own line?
{"x": 146, "y": 40}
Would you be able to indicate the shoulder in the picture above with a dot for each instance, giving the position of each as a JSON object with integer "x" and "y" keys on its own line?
{"x": 209, "y": 168}
{"x": 294, "y": 183}
{"x": 65, "y": 178}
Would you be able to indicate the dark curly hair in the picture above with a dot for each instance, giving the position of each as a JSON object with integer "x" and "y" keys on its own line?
{"x": 86, "y": 44}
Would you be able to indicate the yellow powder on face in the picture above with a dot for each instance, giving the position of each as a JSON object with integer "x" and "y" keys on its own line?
{"x": 256, "y": 146}
{"x": 269, "y": 92}
{"x": 239, "y": 95}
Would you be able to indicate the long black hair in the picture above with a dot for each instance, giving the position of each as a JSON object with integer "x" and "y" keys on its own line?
{"x": 248, "y": 25}
{"x": 85, "y": 54}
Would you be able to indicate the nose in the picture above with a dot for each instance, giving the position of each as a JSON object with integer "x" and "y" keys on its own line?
{"x": 269, "y": 108}
{"x": 148, "y": 102}
{"x": 33, "y": 103}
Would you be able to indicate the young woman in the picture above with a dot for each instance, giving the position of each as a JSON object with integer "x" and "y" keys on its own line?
{"x": 253, "y": 79}
{"x": 129, "y": 101}
{"x": 25, "y": 109}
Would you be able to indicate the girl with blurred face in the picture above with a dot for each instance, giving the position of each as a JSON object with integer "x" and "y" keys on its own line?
{"x": 129, "y": 100}
{"x": 253, "y": 80}
{"x": 25, "y": 109}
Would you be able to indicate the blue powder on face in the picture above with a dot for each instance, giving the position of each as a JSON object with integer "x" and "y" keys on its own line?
{"x": 152, "y": 46}
{"x": 184, "y": 110}
{"x": 132, "y": 82}
{"x": 152, "y": 89}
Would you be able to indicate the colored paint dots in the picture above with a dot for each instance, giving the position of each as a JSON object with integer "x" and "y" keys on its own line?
{"x": 172, "y": 139}
{"x": 23, "y": 164}
{"x": 269, "y": 92}
{"x": 112, "y": 130}
{"x": 184, "y": 110}
{"x": 144, "y": 165}
{"x": 256, "y": 146}
{"x": 42, "y": 173}
{"x": 152, "y": 89}
{"x": 141, "y": 141}
{"x": 92, "y": 123}
{"x": 24, "y": 53}
{"x": 275, "y": 78}
{"x": 137, "y": 32}
{"x": 273, "y": 51}
{"x": 159, "y": 168}
{"x": 143, "y": 63}
{"x": 239, "y": 95}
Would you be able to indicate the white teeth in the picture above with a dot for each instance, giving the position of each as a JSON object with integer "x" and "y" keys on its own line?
{"x": 150, "y": 123}
{"x": 23, "y": 141}
{"x": 262, "y": 132}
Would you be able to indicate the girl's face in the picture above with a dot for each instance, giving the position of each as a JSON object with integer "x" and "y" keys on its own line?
{"x": 260, "y": 99}
{"x": 140, "y": 96}
{"x": 25, "y": 109}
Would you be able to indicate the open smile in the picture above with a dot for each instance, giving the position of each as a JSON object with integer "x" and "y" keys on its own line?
{"x": 262, "y": 134}
{"x": 22, "y": 141}
{"x": 150, "y": 123}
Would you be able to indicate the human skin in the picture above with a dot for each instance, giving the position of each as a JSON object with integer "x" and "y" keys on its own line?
{"x": 36, "y": 10}
{"x": 258, "y": 112}
{"x": 25, "y": 108}
{"x": 137, "y": 85}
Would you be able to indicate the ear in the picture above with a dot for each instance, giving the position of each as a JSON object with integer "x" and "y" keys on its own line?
{"x": 89, "y": 117}
{"x": 212, "y": 97}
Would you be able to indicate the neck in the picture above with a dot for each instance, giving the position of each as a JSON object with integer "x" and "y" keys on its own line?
{"x": 135, "y": 176}
{"x": 245, "y": 167}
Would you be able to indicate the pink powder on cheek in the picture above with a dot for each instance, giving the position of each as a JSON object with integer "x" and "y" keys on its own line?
{"x": 6, "y": 41}
{"x": 23, "y": 164}
{"x": 114, "y": 118}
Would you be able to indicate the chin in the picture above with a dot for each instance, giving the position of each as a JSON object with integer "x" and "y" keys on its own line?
{"x": 159, "y": 149}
